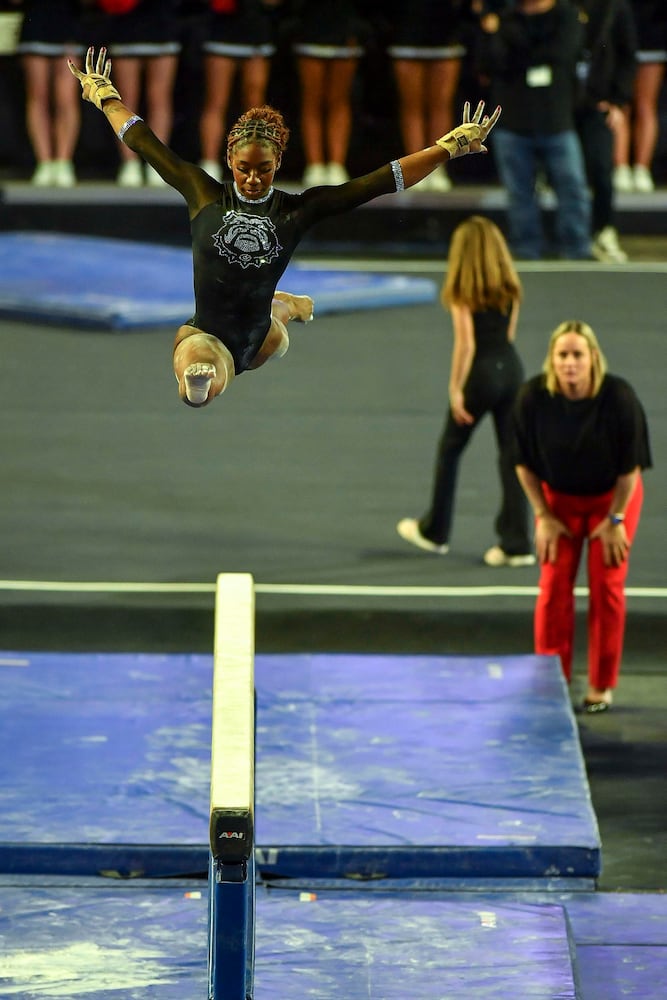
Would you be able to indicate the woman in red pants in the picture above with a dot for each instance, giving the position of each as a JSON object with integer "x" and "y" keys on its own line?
{"x": 582, "y": 441}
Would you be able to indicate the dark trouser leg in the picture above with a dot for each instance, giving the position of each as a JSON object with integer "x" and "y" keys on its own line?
{"x": 597, "y": 143}
{"x": 565, "y": 166}
{"x": 516, "y": 161}
{"x": 511, "y": 523}
{"x": 436, "y": 524}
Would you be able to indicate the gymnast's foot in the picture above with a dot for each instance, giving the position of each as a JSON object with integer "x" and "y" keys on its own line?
{"x": 300, "y": 306}
{"x": 198, "y": 378}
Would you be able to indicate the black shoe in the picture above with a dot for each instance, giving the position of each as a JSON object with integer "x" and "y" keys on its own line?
{"x": 594, "y": 707}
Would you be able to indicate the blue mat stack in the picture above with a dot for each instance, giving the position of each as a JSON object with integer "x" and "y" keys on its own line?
{"x": 120, "y": 285}
{"x": 424, "y": 825}
{"x": 367, "y": 767}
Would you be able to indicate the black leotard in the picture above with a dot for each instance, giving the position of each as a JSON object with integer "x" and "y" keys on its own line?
{"x": 241, "y": 248}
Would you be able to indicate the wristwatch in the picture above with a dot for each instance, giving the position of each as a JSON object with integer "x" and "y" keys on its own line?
{"x": 617, "y": 518}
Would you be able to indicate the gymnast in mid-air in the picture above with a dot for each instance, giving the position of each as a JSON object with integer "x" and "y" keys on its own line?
{"x": 244, "y": 232}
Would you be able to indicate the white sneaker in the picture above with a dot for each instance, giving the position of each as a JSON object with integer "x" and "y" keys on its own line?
{"x": 212, "y": 168}
{"x": 408, "y": 529}
{"x": 43, "y": 175}
{"x": 439, "y": 181}
{"x": 642, "y": 179}
{"x": 495, "y": 556}
{"x": 62, "y": 174}
{"x": 315, "y": 175}
{"x": 623, "y": 179}
{"x": 130, "y": 175}
{"x": 336, "y": 173}
{"x": 605, "y": 247}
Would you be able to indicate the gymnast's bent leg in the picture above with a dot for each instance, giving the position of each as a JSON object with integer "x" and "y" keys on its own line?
{"x": 203, "y": 366}
{"x": 300, "y": 306}
{"x": 284, "y": 308}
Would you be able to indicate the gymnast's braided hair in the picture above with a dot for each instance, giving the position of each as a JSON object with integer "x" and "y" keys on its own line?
{"x": 264, "y": 125}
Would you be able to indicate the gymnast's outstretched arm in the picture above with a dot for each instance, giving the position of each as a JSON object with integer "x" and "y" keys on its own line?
{"x": 468, "y": 137}
{"x": 194, "y": 184}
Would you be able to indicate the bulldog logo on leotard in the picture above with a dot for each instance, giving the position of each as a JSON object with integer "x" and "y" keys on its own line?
{"x": 248, "y": 240}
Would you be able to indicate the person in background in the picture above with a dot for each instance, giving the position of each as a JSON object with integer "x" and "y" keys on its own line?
{"x": 328, "y": 43}
{"x": 244, "y": 232}
{"x": 529, "y": 53}
{"x": 144, "y": 44}
{"x": 482, "y": 291}
{"x": 49, "y": 34}
{"x": 581, "y": 444}
{"x": 239, "y": 43}
{"x": 639, "y": 129}
{"x": 427, "y": 49}
{"x": 606, "y": 77}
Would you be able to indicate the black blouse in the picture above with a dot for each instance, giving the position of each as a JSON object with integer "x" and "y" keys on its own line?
{"x": 582, "y": 446}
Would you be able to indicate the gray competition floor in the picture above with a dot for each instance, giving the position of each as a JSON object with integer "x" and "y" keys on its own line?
{"x": 299, "y": 475}
{"x": 300, "y": 471}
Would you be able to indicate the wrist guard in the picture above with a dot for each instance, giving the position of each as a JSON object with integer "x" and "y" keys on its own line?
{"x": 457, "y": 142}
{"x": 97, "y": 89}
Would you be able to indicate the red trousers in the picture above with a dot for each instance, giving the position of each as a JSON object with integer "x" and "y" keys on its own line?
{"x": 555, "y": 608}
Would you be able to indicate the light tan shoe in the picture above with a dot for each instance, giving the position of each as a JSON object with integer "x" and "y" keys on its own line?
{"x": 408, "y": 529}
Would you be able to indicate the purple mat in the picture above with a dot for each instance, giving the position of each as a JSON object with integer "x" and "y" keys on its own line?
{"x": 475, "y": 762}
{"x": 619, "y": 918}
{"x": 93, "y": 939}
{"x": 621, "y": 941}
{"x": 150, "y": 944}
{"x": 623, "y": 972}
{"x": 366, "y": 766}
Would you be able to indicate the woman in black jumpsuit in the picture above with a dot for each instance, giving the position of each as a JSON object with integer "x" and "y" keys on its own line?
{"x": 244, "y": 232}
{"x": 482, "y": 291}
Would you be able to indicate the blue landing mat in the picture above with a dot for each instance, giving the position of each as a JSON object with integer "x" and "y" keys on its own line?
{"x": 422, "y": 766}
{"x": 620, "y": 938}
{"x": 619, "y": 918}
{"x": 150, "y": 944}
{"x": 621, "y": 945}
{"x": 118, "y": 284}
{"x": 623, "y": 972}
{"x": 367, "y": 766}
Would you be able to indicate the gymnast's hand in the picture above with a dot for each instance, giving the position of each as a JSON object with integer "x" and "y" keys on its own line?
{"x": 96, "y": 81}
{"x": 469, "y": 136}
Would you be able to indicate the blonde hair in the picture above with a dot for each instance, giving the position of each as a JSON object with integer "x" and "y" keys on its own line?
{"x": 598, "y": 360}
{"x": 263, "y": 125}
{"x": 481, "y": 272}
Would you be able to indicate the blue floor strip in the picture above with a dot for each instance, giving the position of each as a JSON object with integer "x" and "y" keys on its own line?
{"x": 121, "y": 285}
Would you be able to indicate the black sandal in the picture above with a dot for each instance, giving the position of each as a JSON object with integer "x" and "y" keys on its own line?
{"x": 594, "y": 707}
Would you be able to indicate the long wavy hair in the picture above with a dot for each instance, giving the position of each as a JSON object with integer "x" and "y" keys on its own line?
{"x": 480, "y": 271}
{"x": 599, "y": 362}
